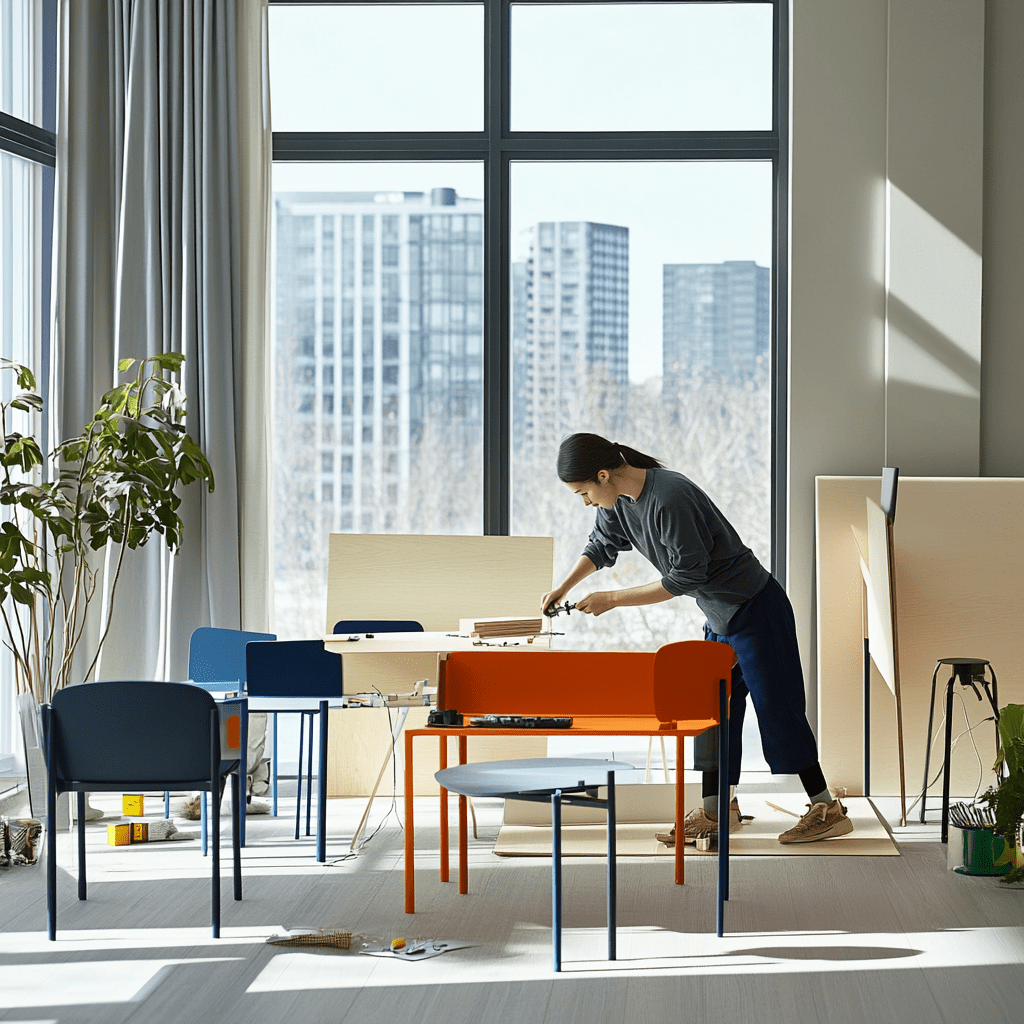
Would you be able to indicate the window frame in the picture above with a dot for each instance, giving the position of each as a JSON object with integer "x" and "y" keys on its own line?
{"x": 496, "y": 146}
{"x": 37, "y": 144}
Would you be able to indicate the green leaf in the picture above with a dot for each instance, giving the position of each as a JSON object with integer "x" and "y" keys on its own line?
{"x": 168, "y": 360}
{"x": 125, "y": 364}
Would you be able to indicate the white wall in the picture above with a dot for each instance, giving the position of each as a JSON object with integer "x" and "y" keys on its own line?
{"x": 907, "y": 227}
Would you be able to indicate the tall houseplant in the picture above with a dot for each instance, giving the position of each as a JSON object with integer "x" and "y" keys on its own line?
{"x": 108, "y": 490}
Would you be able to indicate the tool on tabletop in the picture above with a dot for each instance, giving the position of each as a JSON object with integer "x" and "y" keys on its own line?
{"x": 556, "y": 609}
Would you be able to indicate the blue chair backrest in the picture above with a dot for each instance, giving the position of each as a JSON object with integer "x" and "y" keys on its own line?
{"x": 133, "y": 730}
{"x": 218, "y": 655}
{"x": 292, "y": 668}
{"x": 377, "y": 626}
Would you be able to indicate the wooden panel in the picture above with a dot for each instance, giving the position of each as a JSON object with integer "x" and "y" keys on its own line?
{"x": 433, "y": 580}
{"x": 959, "y": 562}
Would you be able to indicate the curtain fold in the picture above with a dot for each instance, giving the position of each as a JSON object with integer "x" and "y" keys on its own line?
{"x": 163, "y": 205}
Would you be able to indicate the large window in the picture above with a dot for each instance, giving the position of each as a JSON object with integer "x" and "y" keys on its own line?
{"x": 497, "y": 223}
{"x": 27, "y": 146}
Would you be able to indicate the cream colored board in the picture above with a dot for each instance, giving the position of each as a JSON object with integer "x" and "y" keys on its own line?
{"x": 880, "y": 596}
{"x": 360, "y": 739}
{"x": 435, "y": 580}
{"x": 959, "y": 560}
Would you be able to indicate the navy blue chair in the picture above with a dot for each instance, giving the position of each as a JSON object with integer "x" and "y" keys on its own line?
{"x": 293, "y": 668}
{"x": 125, "y": 736}
{"x": 377, "y": 626}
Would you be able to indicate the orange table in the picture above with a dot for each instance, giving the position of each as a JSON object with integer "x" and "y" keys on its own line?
{"x": 605, "y": 693}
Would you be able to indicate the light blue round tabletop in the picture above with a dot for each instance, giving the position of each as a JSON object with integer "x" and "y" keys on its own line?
{"x": 528, "y": 775}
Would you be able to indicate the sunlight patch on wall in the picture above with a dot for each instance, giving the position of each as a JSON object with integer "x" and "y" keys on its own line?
{"x": 934, "y": 328}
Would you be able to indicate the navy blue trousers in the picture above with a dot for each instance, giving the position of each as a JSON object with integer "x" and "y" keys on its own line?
{"x": 763, "y": 635}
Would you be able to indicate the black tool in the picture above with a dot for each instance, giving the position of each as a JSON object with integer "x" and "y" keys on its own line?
{"x": 448, "y": 717}
{"x": 521, "y": 722}
{"x": 556, "y": 609}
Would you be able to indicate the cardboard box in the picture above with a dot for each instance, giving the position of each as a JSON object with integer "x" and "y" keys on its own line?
{"x": 131, "y": 804}
{"x": 119, "y": 835}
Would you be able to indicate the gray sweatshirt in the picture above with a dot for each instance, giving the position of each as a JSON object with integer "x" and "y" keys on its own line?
{"x": 681, "y": 532}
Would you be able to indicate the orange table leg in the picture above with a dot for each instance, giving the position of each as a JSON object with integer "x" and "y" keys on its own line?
{"x": 680, "y": 812}
{"x": 442, "y": 760}
{"x": 410, "y": 843}
{"x": 463, "y": 830}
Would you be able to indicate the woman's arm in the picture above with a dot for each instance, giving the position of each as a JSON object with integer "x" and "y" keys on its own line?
{"x": 580, "y": 571}
{"x": 603, "y": 600}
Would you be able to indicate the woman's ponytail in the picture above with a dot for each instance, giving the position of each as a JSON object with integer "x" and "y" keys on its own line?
{"x": 582, "y": 456}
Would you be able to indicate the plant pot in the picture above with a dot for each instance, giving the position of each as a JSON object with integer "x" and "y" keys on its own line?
{"x": 979, "y": 851}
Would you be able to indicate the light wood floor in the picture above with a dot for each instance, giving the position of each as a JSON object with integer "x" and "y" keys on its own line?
{"x": 809, "y": 939}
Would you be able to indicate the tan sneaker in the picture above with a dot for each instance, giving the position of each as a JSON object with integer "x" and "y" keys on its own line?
{"x": 822, "y": 821}
{"x": 698, "y": 824}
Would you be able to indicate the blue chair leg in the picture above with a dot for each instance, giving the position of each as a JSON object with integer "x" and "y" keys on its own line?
{"x": 203, "y": 830}
{"x": 51, "y": 862}
{"x": 81, "y": 844}
{"x": 298, "y": 776}
{"x": 556, "y": 878}
{"x": 243, "y": 776}
{"x": 215, "y": 859}
{"x": 167, "y": 804}
{"x": 273, "y": 768}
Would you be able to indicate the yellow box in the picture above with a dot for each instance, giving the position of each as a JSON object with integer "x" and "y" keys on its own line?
{"x": 119, "y": 835}
{"x": 131, "y": 803}
{"x": 140, "y": 831}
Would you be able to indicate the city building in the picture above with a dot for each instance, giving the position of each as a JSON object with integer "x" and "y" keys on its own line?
{"x": 570, "y": 315}
{"x": 716, "y": 316}
{"x": 378, "y": 336}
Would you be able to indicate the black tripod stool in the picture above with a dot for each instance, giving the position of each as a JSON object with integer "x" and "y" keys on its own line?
{"x": 969, "y": 672}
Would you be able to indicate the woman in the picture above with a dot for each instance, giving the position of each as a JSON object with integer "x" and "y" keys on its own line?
{"x": 677, "y": 527}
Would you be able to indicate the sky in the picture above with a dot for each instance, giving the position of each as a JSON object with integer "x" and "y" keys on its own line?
{"x": 573, "y": 68}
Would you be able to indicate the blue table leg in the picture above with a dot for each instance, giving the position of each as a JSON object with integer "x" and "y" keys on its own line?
{"x": 321, "y": 806}
{"x": 556, "y": 878}
{"x": 273, "y": 768}
{"x": 724, "y": 809}
{"x": 298, "y": 771}
{"x": 309, "y": 775}
{"x": 611, "y": 866}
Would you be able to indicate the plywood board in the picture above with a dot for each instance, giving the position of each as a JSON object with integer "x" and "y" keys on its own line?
{"x": 880, "y": 596}
{"x": 433, "y": 580}
{"x": 959, "y": 561}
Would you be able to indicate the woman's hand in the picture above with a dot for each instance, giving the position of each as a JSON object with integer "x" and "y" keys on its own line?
{"x": 553, "y": 597}
{"x": 597, "y": 603}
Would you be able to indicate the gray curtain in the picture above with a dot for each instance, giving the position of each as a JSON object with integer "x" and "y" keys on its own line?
{"x": 162, "y": 230}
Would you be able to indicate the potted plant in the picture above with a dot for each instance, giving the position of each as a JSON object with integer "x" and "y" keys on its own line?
{"x": 1007, "y": 798}
{"x": 110, "y": 489}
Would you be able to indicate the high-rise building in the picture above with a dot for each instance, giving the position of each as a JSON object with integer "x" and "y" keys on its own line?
{"x": 716, "y": 316}
{"x": 378, "y": 340}
{"x": 570, "y": 327}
